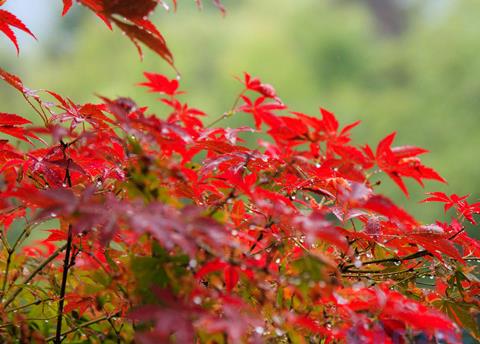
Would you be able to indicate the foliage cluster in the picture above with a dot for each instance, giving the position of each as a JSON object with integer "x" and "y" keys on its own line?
{"x": 176, "y": 231}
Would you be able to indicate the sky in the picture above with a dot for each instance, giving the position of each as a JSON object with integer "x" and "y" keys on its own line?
{"x": 40, "y": 16}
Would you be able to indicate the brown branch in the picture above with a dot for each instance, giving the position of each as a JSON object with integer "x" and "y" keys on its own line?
{"x": 415, "y": 255}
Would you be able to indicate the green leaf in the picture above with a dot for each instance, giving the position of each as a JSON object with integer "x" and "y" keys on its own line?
{"x": 460, "y": 313}
{"x": 149, "y": 272}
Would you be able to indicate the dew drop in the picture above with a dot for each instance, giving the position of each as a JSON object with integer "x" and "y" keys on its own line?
{"x": 259, "y": 329}
{"x": 397, "y": 263}
{"x": 277, "y": 260}
{"x": 192, "y": 263}
{"x": 277, "y": 320}
{"x": 234, "y": 232}
{"x": 197, "y": 300}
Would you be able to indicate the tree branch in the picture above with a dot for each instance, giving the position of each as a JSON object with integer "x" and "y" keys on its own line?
{"x": 34, "y": 273}
{"x": 418, "y": 254}
{"x": 66, "y": 266}
{"x": 86, "y": 324}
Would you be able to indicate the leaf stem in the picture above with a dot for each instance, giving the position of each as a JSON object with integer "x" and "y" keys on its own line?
{"x": 42, "y": 116}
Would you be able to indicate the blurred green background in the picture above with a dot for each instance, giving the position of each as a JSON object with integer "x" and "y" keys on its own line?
{"x": 410, "y": 66}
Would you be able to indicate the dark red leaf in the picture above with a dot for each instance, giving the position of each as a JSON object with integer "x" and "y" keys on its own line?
{"x": 155, "y": 42}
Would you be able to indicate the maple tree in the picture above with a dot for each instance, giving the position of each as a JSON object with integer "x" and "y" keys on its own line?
{"x": 171, "y": 230}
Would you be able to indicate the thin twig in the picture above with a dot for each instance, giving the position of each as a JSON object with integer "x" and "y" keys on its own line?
{"x": 34, "y": 303}
{"x": 33, "y": 274}
{"x": 418, "y": 254}
{"x": 86, "y": 324}
{"x": 44, "y": 118}
{"x": 228, "y": 113}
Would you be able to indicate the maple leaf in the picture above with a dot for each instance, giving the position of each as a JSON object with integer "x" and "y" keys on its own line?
{"x": 384, "y": 206}
{"x": 171, "y": 316}
{"x": 11, "y": 124}
{"x": 231, "y": 273}
{"x": 315, "y": 227}
{"x": 254, "y": 84}
{"x": 7, "y": 216}
{"x": 12, "y": 80}
{"x": 160, "y": 84}
{"x": 129, "y": 9}
{"x": 401, "y": 162}
{"x": 79, "y": 303}
{"x": 135, "y": 25}
{"x": 8, "y": 20}
{"x": 461, "y": 313}
{"x": 436, "y": 243}
{"x": 67, "y": 4}
{"x": 154, "y": 41}
{"x": 262, "y": 112}
{"x": 235, "y": 320}
{"x": 459, "y": 202}
{"x": 395, "y": 311}
{"x": 326, "y": 129}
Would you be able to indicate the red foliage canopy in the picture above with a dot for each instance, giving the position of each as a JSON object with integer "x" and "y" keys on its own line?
{"x": 169, "y": 230}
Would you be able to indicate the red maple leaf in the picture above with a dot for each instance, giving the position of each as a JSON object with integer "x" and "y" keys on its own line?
{"x": 262, "y": 112}
{"x": 459, "y": 202}
{"x": 8, "y": 20}
{"x": 12, "y": 125}
{"x": 161, "y": 84}
{"x": 401, "y": 162}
